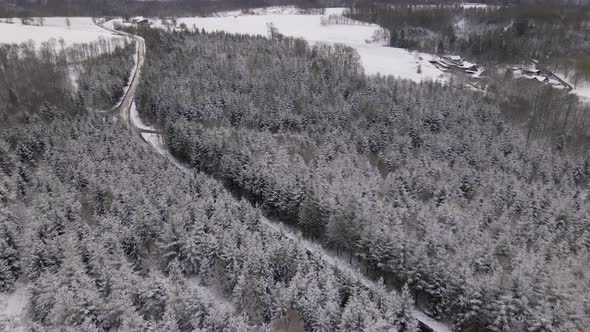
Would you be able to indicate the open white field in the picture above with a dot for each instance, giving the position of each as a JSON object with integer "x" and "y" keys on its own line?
{"x": 375, "y": 57}
{"x": 282, "y": 10}
{"x": 581, "y": 87}
{"x": 81, "y": 30}
{"x": 478, "y": 5}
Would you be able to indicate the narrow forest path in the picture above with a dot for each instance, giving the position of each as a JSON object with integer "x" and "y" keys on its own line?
{"x": 155, "y": 139}
{"x": 122, "y": 108}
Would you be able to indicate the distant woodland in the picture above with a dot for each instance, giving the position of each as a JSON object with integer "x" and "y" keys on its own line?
{"x": 502, "y": 33}
{"x": 33, "y": 8}
{"x": 12, "y": 8}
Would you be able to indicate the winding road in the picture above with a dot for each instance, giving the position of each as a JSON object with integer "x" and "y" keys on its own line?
{"x": 122, "y": 111}
{"x": 123, "y": 108}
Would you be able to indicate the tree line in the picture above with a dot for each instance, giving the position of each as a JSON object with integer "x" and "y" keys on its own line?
{"x": 501, "y": 33}
{"x": 27, "y": 8}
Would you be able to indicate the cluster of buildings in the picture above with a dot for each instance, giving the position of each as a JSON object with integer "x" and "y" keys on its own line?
{"x": 140, "y": 20}
{"x": 448, "y": 62}
{"x": 533, "y": 73}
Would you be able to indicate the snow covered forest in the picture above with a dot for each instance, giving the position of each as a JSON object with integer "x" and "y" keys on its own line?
{"x": 136, "y": 244}
{"x": 428, "y": 186}
{"x": 269, "y": 183}
{"x": 132, "y": 245}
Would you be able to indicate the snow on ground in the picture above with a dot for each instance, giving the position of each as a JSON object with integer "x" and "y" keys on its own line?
{"x": 136, "y": 120}
{"x": 157, "y": 142}
{"x": 280, "y": 10}
{"x": 581, "y": 89}
{"x": 81, "y": 30}
{"x": 334, "y": 11}
{"x": 398, "y": 62}
{"x": 73, "y": 75}
{"x": 284, "y": 10}
{"x": 12, "y": 306}
{"x": 468, "y": 5}
{"x": 210, "y": 294}
{"x": 132, "y": 73}
{"x": 478, "y": 73}
{"x": 375, "y": 58}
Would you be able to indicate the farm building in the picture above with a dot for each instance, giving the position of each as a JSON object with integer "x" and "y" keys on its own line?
{"x": 140, "y": 20}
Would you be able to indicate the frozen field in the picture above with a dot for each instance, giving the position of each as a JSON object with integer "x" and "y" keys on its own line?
{"x": 581, "y": 87}
{"x": 478, "y": 5}
{"x": 81, "y": 30}
{"x": 582, "y": 90}
{"x": 376, "y": 58}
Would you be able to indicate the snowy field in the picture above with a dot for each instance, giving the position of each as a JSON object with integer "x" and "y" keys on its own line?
{"x": 582, "y": 90}
{"x": 81, "y": 30}
{"x": 375, "y": 58}
{"x": 468, "y": 5}
{"x": 283, "y": 10}
{"x": 581, "y": 87}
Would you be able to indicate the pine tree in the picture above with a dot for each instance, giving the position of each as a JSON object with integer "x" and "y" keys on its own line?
{"x": 7, "y": 278}
{"x": 169, "y": 322}
{"x": 406, "y": 322}
{"x": 10, "y": 265}
{"x": 354, "y": 317}
{"x": 312, "y": 217}
{"x": 131, "y": 320}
